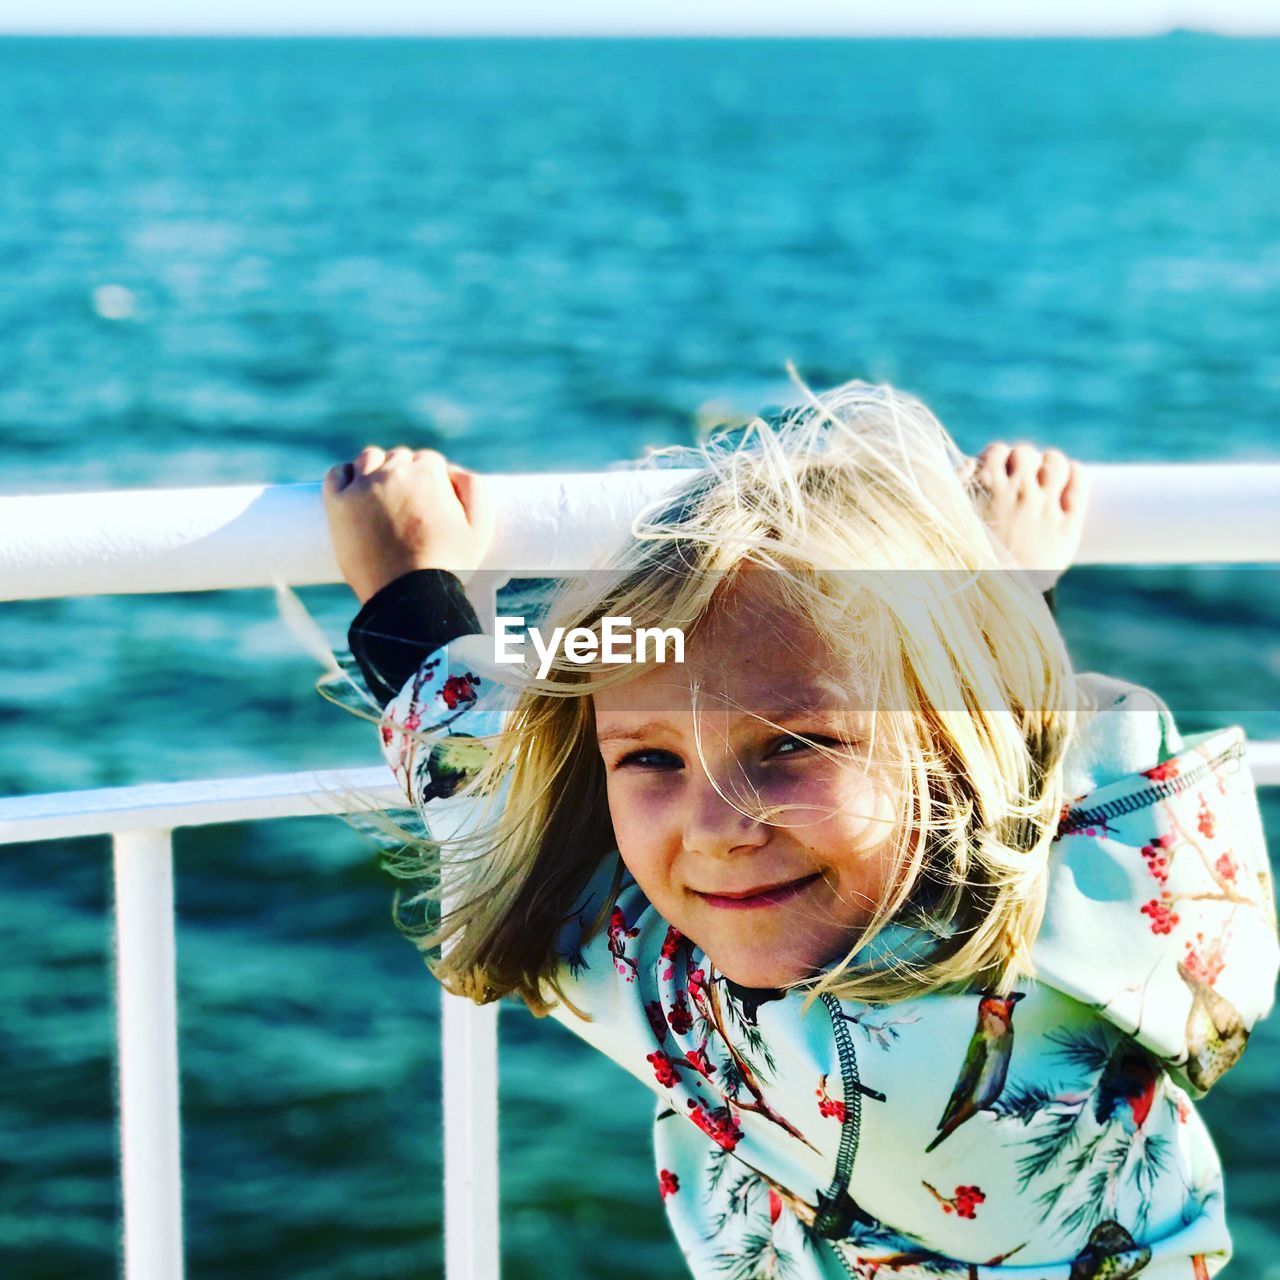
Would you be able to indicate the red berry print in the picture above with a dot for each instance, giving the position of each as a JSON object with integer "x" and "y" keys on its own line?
{"x": 670, "y": 948}
{"x": 775, "y": 1206}
{"x": 618, "y": 935}
{"x": 1157, "y": 861}
{"x": 1162, "y": 772}
{"x": 698, "y": 1060}
{"x": 719, "y": 1125}
{"x": 1206, "y": 820}
{"x": 668, "y": 1183}
{"x": 697, "y": 984}
{"x": 413, "y": 721}
{"x": 387, "y": 735}
{"x": 1205, "y": 963}
{"x": 681, "y": 1019}
{"x": 828, "y": 1106}
{"x": 963, "y": 1202}
{"x": 663, "y": 1068}
{"x": 1163, "y": 917}
{"x": 459, "y": 690}
{"x": 1226, "y": 867}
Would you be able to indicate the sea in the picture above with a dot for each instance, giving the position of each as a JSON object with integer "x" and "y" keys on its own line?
{"x": 239, "y": 261}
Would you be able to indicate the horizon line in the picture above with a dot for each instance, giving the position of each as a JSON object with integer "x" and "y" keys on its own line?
{"x": 204, "y": 33}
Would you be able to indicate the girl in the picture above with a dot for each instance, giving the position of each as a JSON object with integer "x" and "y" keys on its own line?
{"x": 922, "y": 942}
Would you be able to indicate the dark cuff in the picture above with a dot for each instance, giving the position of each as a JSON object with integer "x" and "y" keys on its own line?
{"x": 404, "y": 623}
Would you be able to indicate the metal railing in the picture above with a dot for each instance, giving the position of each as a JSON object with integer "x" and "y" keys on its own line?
{"x": 208, "y": 539}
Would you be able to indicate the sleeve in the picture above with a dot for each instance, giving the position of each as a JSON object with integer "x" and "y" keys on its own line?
{"x": 404, "y": 623}
{"x": 1161, "y": 910}
{"x": 431, "y": 731}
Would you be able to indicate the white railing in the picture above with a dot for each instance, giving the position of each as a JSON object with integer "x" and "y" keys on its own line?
{"x": 255, "y": 535}
{"x": 208, "y": 539}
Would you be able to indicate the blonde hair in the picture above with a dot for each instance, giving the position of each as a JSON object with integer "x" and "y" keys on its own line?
{"x": 857, "y": 502}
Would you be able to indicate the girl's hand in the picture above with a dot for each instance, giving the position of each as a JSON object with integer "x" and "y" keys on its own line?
{"x": 1034, "y": 503}
{"x": 394, "y": 511}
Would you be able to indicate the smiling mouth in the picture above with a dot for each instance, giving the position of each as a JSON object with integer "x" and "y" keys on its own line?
{"x": 764, "y": 896}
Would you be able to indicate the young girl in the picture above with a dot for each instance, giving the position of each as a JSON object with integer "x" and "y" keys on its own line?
{"x": 921, "y": 941}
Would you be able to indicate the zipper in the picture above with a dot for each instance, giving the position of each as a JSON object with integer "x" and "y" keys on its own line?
{"x": 1079, "y": 819}
{"x": 837, "y": 1210}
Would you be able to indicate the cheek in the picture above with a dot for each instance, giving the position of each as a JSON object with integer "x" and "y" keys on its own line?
{"x": 864, "y": 817}
{"x": 870, "y": 798}
{"x": 638, "y": 824}
{"x": 827, "y": 805}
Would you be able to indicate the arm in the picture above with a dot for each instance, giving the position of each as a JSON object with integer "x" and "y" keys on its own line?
{"x": 407, "y": 527}
{"x": 403, "y": 623}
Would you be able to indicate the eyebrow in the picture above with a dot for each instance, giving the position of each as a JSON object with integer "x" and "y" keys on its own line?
{"x": 804, "y": 704}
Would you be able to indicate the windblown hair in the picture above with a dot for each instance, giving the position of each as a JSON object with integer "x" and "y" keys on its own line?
{"x": 858, "y": 503}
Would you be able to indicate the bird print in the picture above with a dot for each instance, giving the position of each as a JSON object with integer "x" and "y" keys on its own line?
{"x": 453, "y": 762}
{"x": 985, "y": 1064}
{"x": 1111, "y": 1254}
{"x": 1127, "y": 1088}
{"x": 1216, "y": 1033}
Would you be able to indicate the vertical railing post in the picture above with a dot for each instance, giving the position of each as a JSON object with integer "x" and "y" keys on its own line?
{"x": 469, "y": 1055}
{"x": 147, "y": 1046}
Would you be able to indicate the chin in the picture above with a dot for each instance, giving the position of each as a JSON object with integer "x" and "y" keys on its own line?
{"x": 765, "y": 972}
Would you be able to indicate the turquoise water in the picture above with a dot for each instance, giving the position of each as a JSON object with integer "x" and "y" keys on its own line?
{"x": 535, "y": 255}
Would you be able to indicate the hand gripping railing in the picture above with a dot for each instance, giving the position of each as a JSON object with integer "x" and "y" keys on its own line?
{"x": 209, "y": 539}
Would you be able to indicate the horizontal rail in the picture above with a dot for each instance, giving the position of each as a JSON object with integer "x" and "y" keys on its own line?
{"x": 59, "y": 815}
{"x": 149, "y": 540}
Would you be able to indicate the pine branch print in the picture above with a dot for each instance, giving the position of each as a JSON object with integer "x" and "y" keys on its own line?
{"x": 1090, "y": 1051}
{"x": 712, "y": 1012}
{"x": 760, "y": 1259}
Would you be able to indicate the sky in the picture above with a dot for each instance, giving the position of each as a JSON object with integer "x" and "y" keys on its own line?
{"x": 636, "y": 17}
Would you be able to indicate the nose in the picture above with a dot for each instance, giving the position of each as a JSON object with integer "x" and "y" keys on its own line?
{"x": 712, "y": 825}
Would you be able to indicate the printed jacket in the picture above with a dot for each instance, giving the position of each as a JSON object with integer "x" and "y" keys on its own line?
{"x": 1047, "y": 1136}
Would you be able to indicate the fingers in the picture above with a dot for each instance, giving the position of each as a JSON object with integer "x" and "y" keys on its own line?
{"x": 373, "y": 459}
{"x": 1055, "y": 469}
{"x": 474, "y": 496}
{"x": 1050, "y": 471}
{"x": 337, "y": 478}
{"x": 1075, "y": 493}
{"x": 992, "y": 461}
{"x": 340, "y": 476}
{"x": 368, "y": 460}
{"x": 463, "y": 482}
{"x": 1023, "y": 464}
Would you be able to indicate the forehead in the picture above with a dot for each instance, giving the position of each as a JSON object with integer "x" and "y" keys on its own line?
{"x": 750, "y": 652}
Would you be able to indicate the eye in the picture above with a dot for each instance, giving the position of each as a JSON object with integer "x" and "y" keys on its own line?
{"x": 802, "y": 745}
{"x": 644, "y": 758}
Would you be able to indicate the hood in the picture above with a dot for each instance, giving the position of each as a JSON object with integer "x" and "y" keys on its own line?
{"x": 1161, "y": 912}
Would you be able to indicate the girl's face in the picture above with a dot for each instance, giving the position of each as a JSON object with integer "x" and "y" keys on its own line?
{"x": 769, "y": 902}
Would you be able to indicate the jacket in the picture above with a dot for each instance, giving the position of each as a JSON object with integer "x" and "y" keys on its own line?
{"x": 1050, "y": 1135}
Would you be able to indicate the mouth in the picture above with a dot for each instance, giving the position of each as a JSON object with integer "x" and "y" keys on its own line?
{"x": 762, "y": 896}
